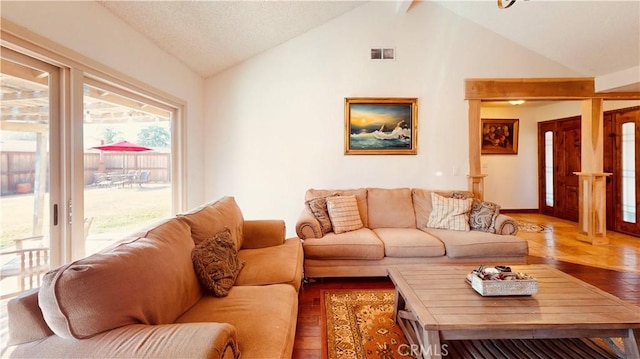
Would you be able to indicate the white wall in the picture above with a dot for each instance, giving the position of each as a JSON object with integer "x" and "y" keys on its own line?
{"x": 275, "y": 124}
{"x": 91, "y": 30}
{"x": 512, "y": 180}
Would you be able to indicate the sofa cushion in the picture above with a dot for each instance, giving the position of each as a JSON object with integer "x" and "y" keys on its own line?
{"x": 264, "y": 318}
{"x": 358, "y": 244}
{"x": 421, "y": 205}
{"x": 216, "y": 263}
{"x": 409, "y": 242}
{"x": 271, "y": 265}
{"x": 482, "y": 216}
{"x": 477, "y": 244}
{"x": 209, "y": 219}
{"x": 390, "y": 208}
{"x": 360, "y": 193}
{"x": 344, "y": 214}
{"x": 449, "y": 213}
{"x": 127, "y": 284}
{"x": 318, "y": 207}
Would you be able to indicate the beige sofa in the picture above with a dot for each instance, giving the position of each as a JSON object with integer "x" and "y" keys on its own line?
{"x": 395, "y": 230}
{"x": 142, "y": 297}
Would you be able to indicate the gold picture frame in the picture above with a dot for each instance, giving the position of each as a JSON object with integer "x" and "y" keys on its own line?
{"x": 380, "y": 126}
{"x": 499, "y": 136}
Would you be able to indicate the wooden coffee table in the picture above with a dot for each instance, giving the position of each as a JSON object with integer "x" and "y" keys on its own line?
{"x": 434, "y": 302}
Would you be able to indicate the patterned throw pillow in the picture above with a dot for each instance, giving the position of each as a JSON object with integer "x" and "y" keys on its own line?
{"x": 483, "y": 216}
{"x": 318, "y": 207}
{"x": 461, "y": 195}
{"x": 216, "y": 263}
{"x": 449, "y": 213}
{"x": 344, "y": 214}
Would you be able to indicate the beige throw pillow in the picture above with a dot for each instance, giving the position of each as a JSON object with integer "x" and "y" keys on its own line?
{"x": 449, "y": 213}
{"x": 344, "y": 214}
{"x": 216, "y": 263}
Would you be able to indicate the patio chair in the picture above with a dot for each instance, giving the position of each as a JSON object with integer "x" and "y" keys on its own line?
{"x": 101, "y": 179}
{"x": 87, "y": 225}
{"x": 132, "y": 176}
{"x": 143, "y": 177}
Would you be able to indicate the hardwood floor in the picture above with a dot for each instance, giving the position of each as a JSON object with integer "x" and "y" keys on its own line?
{"x": 622, "y": 253}
{"x": 614, "y": 268}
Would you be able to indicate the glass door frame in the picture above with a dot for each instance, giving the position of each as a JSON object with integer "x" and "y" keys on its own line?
{"x": 56, "y": 230}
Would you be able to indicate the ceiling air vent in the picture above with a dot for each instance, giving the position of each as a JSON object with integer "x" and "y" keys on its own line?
{"x": 383, "y": 54}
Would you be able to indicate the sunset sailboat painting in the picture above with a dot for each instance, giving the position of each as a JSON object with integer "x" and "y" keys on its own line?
{"x": 380, "y": 126}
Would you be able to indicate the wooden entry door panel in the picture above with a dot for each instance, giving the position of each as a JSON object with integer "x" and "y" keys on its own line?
{"x": 568, "y": 154}
{"x": 613, "y": 122}
{"x": 566, "y": 150}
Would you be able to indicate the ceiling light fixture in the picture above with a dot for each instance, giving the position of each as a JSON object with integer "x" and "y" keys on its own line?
{"x": 505, "y": 4}
{"x": 516, "y": 102}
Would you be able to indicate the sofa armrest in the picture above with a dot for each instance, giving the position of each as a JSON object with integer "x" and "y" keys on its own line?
{"x": 263, "y": 233}
{"x": 308, "y": 225}
{"x": 184, "y": 340}
{"x": 25, "y": 320}
{"x": 506, "y": 225}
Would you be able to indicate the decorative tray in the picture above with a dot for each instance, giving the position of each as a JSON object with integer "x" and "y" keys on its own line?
{"x": 501, "y": 281}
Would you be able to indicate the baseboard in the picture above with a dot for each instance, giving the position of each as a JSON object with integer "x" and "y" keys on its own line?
{"x": 524, "y": 210}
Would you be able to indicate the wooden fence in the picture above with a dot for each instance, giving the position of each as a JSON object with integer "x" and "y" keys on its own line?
{"x": 18, "y": 168}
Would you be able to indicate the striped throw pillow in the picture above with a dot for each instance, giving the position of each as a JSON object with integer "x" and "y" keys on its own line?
{"x": 344, "y": 214}
{"x": 449, "y": 213}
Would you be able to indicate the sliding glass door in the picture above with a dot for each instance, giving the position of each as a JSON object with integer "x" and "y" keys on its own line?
{"x": 30, "y": 152}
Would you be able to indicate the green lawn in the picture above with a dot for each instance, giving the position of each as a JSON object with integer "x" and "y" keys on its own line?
{"x": 115, "y": 211}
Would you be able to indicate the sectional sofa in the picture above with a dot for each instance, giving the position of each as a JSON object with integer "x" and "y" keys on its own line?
{"x": 382, "y": 227}
{"x": 142, "y": 297}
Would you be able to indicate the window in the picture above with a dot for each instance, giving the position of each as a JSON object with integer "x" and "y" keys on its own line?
{"x": 628, "y": 172}
{"x": 548, "y": 167}
{"x": 127, "y": 183}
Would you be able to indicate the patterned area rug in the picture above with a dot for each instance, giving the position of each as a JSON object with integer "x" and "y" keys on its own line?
{"x": 530, "y": 227}
{"x": 358, "y": 325}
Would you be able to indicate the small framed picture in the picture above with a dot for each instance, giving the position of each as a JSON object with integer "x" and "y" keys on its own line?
{"x": 499, "y": 136}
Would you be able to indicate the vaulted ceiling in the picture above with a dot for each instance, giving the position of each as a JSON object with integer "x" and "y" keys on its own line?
{"x": 594, "y": 38}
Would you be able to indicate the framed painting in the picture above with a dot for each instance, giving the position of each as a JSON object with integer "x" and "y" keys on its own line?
{"x": 499, "y": 136}
{"x": 380, "y": 126}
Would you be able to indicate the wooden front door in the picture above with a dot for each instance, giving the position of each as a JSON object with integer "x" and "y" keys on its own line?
{"x": 561, "y": 153}
{"x": 622, "y": 160}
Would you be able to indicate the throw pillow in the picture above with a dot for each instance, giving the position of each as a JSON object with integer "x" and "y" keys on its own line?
{"x": 344, "y": 214}
{"x": 449, "y": 213}
{"x": 318, "y": 207}
{"x": 461, "y": 195}
{"x": 216, "y": 263}
{"x": 483, "y": 216}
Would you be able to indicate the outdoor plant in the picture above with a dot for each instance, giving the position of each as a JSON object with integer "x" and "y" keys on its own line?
{"x": 25, "y": 178}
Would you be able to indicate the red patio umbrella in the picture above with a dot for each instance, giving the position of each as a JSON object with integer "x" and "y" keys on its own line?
{"x": 122, "y": 146}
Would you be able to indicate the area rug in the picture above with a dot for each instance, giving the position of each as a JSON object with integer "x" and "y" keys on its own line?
{"x": 531, "y": 227}
{"x": 357, "y": 324}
